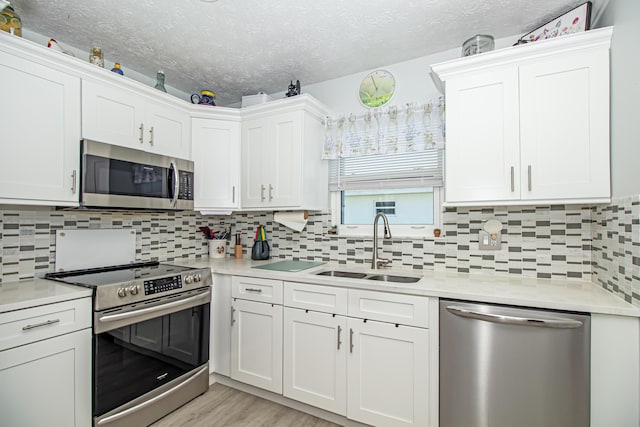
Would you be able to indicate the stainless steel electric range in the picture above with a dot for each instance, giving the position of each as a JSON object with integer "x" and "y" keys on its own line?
{"x": 150, "y": 339}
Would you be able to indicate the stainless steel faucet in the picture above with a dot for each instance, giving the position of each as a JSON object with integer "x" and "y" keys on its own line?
{"x": 378, "y": 262}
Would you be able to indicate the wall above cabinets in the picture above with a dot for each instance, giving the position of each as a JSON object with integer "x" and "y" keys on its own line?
{"x": 529, "y": 124}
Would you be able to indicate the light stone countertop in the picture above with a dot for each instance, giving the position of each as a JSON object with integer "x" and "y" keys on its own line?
{"x": 513, "y": 290}
{"x": 35, "y": 292}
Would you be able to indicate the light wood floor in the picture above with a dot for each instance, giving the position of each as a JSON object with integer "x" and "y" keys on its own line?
{"x": 225, "y": 406}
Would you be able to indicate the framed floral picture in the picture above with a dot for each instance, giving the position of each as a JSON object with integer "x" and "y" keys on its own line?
{"x": 574, "y": 21}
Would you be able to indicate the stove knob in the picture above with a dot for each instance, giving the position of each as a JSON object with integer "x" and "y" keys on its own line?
{"x": 197, "y": 277}
{"x": 188, "y": 279}
{"x": 122, "y": 292}
{"x": 133, "y": 290}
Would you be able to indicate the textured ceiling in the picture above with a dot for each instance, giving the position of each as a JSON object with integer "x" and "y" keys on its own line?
{"x": 241, "y": 47}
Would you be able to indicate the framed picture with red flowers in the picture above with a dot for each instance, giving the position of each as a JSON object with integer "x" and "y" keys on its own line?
{"x": 576, "y": 20}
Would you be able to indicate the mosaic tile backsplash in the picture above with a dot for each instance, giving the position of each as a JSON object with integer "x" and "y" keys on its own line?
{"x": 565, "y": 242}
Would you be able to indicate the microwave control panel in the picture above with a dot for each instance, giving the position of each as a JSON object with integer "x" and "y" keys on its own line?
{"x": 185, "y": 191}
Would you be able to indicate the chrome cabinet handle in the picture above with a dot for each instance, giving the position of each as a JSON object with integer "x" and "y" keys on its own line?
{"x": 339, "y": 334}
{"x": 270, "y": 192}
{"x": 233, "y": 317}
{"x": 258, "y": 291}
{"x": 73, "y": 182}
{"x": 513, "y": 184}
{"x": 38, "y": 325}
{"x": 233, "y": 194}
{"x": 513, "y": 320}
{"x": 529, "y": 176}
{"x": 262, "y": 193}
{"x": 350, "y": 340}
{"x": 141, "y": 138}
{"x": 151, "y": 135}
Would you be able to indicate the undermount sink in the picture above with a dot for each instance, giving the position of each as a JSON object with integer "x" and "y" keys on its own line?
{"x": 377, "y": 277}
{"x": 347, "y": 274}
{"x": 395, "y": 279}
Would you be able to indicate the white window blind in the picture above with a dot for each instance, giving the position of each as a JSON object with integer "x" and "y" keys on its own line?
{"x": 386, "y": 171}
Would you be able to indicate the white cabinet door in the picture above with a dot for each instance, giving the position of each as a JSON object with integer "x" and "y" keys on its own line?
{"x": 564, "y": 105}
{"x": 254, "y": 143}
{"x": 283, "y": 160}
{"x": 40, "y": 134}
{"x": 121, "y": 116}
{"x": 483, "y": 154}
{"x": 220, "y": 333}
{"x": 315, "y": 359}
{"x": 282, "y": 166}
{"x": 272, "y": 163}
{"x": 112, "y": 114}
{"x": 388, "y": 369}
{"x": 256, "y": 344}
{"x": 216, "y": 153}
{"x": 168, "y": 130}
{"x": 47, "y": 383}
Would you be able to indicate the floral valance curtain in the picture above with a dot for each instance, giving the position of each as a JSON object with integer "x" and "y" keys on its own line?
{"x": 412, "y": 127}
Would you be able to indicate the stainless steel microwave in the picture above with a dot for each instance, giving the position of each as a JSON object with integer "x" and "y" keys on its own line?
{"x": 115, "y": 177}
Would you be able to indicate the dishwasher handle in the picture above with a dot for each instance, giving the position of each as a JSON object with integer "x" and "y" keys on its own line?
{"x": 513, "y": 320}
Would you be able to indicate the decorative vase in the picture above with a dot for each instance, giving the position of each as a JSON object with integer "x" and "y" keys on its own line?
{"x": 96, "y": 57}
{"x": 160, "y": 81}
{"x": 10, "y": 21}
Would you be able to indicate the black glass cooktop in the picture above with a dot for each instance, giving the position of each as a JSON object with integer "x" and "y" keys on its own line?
{"x": 95, "y": 277}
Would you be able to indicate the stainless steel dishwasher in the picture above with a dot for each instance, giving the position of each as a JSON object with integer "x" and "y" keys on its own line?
{"x": 513, "y": 367}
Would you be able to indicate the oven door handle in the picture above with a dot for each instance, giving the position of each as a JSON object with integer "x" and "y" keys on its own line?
{"x": 151, "y": 401}
{"x": 142, "y": 314}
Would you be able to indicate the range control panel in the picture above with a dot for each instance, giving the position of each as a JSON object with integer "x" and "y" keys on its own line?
{"x": 164, "y": 284}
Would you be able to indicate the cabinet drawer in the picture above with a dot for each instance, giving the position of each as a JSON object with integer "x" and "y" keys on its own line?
{"x": 386, "y": 307}
{"x": 325, "y": 299}
{"x": 34, "y": 324}
{"x": 254, "y": 289}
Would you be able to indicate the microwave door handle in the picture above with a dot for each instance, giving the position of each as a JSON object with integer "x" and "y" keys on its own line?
{"x": 176, "y": 184}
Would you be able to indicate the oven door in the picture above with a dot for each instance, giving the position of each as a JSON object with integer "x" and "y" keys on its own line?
{"x": 140, "y": 348}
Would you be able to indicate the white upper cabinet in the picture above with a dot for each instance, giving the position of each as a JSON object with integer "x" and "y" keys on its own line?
{"x": 282, "y": 166}
{"x": 565, "y": 136}
{"x": 119, "y": 115}
{"x": 529, "y": 124}
{"x": 216, "y": 152}
{"x": 40, "y": 129}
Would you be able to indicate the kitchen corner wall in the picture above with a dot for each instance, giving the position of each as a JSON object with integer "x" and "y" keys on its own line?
{"x": 616, "y": 248}
{"x": 561, "y": 242}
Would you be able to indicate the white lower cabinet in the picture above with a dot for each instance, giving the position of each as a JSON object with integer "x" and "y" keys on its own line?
{"x": 256, "y": 344}
{"x": 47, "y": 383}
{"x": 315, "y": 359}
{"x": 388, "y": 371}
{"x": 346, "y": 351}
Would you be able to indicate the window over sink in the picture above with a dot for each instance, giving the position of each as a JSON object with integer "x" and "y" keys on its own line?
{"x": 387, "y": 161}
